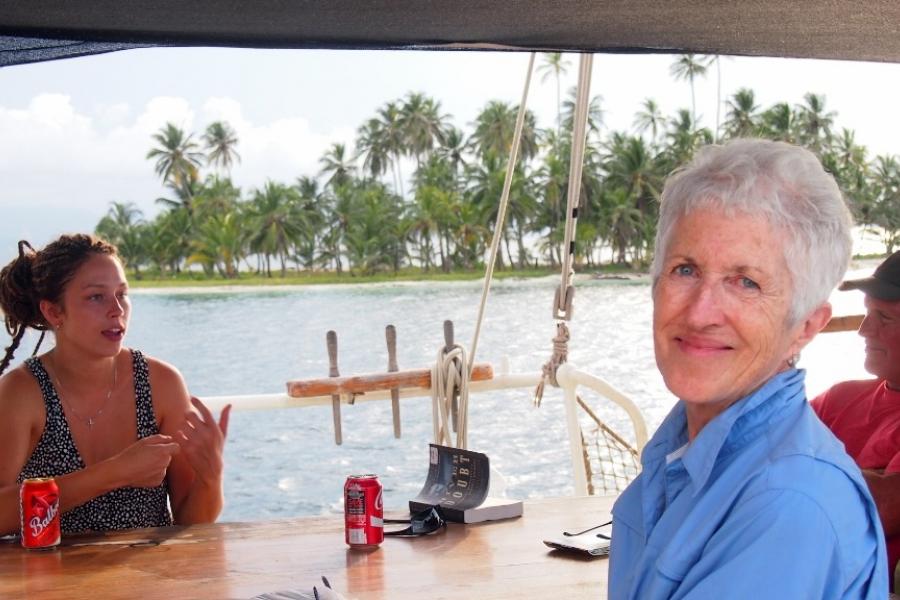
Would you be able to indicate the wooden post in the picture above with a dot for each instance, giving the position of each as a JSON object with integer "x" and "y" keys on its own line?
{"x": 331, "y": 342}
{"x": 390, "y": 335}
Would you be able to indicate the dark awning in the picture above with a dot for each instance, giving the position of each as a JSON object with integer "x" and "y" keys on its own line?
{"x": 864, "y": 30}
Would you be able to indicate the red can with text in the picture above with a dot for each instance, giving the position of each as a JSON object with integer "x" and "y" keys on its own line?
{"x": 363, "y": 512}
{"x": 39, "y": 513}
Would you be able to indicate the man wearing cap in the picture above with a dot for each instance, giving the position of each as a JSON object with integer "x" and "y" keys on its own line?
{"x": 865, "y": 415}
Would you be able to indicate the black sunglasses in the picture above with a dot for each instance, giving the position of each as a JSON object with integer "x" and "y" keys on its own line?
{"x": 599, "y": 535}
{"x": 424, "y": 522}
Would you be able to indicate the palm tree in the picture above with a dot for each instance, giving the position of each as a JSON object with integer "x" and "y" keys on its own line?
{"x": 219, "y": 244}
{"x": 780, "y": 123}
{"x": 690, "y": 67}
{"x": 277, "y": 222}
{"x": 886, "y": 212}
{"x": 684, "y": 139}
{"x": 374, "y": 236}
{"x": 649, "y": 117}
{"x": 631, "y": 166}
{"x": 214, "y": 196}
{"x": 815, "y": 122}
{"x": 372, "y": 146}
{"x": 125, "y": 227}
{"x": 495, "y": 127}
{"x": 220, "y": 140}
{"x": 847, "y": 161}
{"x": 177, "y": 156}
{"x": 552, "y": 184}
{"x": 422, "y": 124}
{"x": 171, "y": 237}
{"x": 741, "y": 119}
{"x": 337, "y": 166}
{"x": 623, "y": 223}
{"x": 393, "y": 138}
{"x": 555, "y": 66}
{"x": 595, "y": 113}
{"x": 184, "y": 190}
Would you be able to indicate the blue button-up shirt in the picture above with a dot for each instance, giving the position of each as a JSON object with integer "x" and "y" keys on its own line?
{"x": 763, "y": 503}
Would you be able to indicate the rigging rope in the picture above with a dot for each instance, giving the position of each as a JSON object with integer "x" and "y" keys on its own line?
{"x": 565, "y": 293}
{"x": 441, "y": 404}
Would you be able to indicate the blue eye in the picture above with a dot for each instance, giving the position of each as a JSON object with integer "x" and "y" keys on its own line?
{"x": 748, "y": 283}
{"x": 684, "y": 270}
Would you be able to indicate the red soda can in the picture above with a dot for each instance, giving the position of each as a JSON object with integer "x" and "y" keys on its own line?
{"x": 39, "y": 513}
{"x": 363, "y": 512}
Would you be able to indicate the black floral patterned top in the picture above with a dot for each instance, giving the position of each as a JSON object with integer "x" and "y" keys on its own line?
{"x": 56, "y": 454}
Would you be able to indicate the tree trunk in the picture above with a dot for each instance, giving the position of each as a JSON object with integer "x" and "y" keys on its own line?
{"x": 444, "y": 266}
{"x": 520, "y": 240}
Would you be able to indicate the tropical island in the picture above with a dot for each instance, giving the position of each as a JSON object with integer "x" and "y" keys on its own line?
{"x": 415, "y": 197}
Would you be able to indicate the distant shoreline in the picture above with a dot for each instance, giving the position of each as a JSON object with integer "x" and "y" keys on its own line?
{"x": 255, "y": 281}
{"x": 264, "y": 284}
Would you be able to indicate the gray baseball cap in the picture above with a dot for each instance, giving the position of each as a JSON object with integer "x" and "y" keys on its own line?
{"x": 884, "y": 284}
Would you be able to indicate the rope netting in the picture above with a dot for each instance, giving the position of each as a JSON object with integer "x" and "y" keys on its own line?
{"x": 610, "y": 462}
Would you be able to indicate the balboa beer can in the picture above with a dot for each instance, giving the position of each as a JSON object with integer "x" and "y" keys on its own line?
{"x": 363, "y": 512}
{"x": 39, "y": 513}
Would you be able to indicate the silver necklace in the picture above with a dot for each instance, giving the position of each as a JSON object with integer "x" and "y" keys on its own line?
{"x": 89, "y": 421}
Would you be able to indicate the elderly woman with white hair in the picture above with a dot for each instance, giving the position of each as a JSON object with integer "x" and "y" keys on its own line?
{"x": 743, "y": 492}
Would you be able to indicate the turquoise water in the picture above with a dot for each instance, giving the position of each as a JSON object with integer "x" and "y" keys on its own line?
{"x": 285, "y": 462}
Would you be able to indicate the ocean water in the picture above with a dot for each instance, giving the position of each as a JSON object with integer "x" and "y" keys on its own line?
{"x": 283, "y": 463}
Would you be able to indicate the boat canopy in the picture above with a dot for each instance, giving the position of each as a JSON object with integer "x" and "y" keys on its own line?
{"x": 829, "y": 29}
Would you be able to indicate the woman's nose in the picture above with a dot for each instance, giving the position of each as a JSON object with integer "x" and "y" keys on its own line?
{"x": 705, "y": 307}
{"x": 117, "y": 307}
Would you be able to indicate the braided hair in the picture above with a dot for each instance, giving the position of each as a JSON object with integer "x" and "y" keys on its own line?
{"x": 37, "y": 275}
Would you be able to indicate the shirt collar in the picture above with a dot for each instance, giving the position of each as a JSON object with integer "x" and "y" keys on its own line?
{"x": 699, "y": 457}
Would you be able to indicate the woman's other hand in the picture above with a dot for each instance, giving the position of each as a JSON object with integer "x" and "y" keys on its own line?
{"x": 202, "y": 440}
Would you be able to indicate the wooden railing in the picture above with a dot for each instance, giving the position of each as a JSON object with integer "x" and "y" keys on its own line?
{"x": 846, "y": 323}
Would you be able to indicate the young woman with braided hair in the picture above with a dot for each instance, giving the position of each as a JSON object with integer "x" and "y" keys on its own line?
{"x": 128, "y": 446}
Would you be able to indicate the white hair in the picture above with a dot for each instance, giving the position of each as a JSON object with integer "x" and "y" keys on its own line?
{"x": 782, "y": 183}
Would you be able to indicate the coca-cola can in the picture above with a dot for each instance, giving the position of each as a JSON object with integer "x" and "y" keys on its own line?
{"x": 363, "y": 512}
{"x": 39, "y": 513}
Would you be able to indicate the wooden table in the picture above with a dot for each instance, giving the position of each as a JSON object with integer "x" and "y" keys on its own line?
{"x": 504, "y": 559}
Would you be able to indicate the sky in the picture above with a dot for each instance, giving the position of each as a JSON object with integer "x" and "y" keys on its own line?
{"x": 74, "y": 134}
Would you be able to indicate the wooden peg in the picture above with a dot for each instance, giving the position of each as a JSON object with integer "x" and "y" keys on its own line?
{"x": 448, "y": 335}
{"x": 390, "y": 336}
{"x": 331, "y": 342}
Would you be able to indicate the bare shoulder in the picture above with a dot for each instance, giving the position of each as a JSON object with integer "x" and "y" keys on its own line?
{"x": 20, "y": 398}
{"x": 170, "y": 395}
{"x": 161, "y": 371}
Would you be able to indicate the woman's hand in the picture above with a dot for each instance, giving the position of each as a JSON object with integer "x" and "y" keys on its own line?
{"x": 144, "y": 463}
{"x": 202, "y": 440}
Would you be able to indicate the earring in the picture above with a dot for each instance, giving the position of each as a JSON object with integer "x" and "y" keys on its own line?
{"x": 793, "y": 360}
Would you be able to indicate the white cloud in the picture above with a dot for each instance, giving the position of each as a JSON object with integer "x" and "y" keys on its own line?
{"x": 54, "y": 155}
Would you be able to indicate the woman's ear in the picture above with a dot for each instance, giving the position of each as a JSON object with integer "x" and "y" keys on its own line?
{"x": 52, "y": 312}
{"x": 808, "y": 328}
